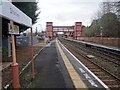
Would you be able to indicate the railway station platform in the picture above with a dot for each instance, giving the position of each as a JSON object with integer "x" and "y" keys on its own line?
{"x": 50, "y": 69}
{"x": 57, "y": 67}
{"x": 96, "y": 45}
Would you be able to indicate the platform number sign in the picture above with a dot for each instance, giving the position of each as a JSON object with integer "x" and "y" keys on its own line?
{"x": 14, "y": 30}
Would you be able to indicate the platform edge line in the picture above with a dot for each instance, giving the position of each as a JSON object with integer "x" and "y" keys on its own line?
{"x": 76, "y": 84}
{"x": 103, "y": 84}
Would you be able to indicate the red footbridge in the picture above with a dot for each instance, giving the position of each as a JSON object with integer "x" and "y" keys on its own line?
{"x": 71, "y": 31}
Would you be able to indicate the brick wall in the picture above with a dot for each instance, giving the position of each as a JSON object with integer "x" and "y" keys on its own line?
{"x": 105, "y": 41}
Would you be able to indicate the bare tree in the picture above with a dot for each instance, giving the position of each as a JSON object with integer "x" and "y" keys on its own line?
{"x": 107, "y": 7}
{"x": 117, "y": 9}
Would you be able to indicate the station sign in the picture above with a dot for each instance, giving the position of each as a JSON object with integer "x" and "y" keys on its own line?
{"x": 11, "y": 12}
{"x": 14, "y": 30}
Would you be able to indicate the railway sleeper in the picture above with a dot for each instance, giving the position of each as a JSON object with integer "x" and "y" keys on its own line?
{"x": 89, "y": 64}
{"x": 99, "y": 74}
{"x": 95, "y": 70}
{"x": 110, "y": 82}
{"x": 104, "y": 77}
{"x": 91, "y": 67}
{"x": 114, "y": 86}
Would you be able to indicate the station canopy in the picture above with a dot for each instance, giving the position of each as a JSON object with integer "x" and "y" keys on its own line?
{"x": 11, "y": 12}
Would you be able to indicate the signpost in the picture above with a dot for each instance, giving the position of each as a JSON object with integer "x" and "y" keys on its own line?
{"x": 101, "y": 34}
{"x": 12, "y": 13}
{"x": 15, "y": 71}
{"x": 14, "y": 30}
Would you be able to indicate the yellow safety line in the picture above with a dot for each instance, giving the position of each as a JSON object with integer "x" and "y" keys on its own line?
{"x": 78, "y": 83}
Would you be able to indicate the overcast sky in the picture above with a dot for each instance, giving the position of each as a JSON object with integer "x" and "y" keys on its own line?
{"x": 67, "y": 12}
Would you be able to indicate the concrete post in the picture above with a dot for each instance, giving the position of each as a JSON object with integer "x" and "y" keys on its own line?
{"x": 32, "y": 48}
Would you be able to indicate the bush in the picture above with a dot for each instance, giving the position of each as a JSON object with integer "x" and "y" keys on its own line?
{"x": 4, "y": 51}
{"x": 0, "y": 50}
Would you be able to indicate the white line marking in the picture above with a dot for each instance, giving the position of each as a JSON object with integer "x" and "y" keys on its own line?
{"x": 81, "y": 70}
{"x": 92, "y": 83}
{"x": 86, "y": 68}
{"x": 6, "y": 86}
{"x": 88, "y": 78}
{"x": 25, "y": 67}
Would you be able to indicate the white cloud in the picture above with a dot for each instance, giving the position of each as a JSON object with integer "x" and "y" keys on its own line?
{"x": 67, "y": 12}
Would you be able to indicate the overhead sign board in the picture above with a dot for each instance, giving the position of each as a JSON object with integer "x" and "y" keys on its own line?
{"x": 11, "y": 12}
{"x": 14, "y": 30}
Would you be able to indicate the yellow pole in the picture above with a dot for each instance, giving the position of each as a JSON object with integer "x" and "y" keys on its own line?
{"x": 13, "y": 49}
{"x": 13, "y": 44}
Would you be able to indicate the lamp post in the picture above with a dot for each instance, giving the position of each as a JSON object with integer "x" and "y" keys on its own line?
{"x": 32, "y": 48}
{"x": 40, "y": 26}
{"x": 36, "y": 33}
{"x": 42, "y": 33}
{"x": 101, "y": 34}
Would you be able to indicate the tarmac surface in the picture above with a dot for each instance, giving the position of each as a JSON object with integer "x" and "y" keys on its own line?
{"x": 51, "y": 71}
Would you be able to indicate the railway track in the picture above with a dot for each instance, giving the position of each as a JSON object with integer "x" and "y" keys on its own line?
{"x": 110, "y": 79}
{"x": 110, "y": 56}
{"x": 110, "y": 64}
